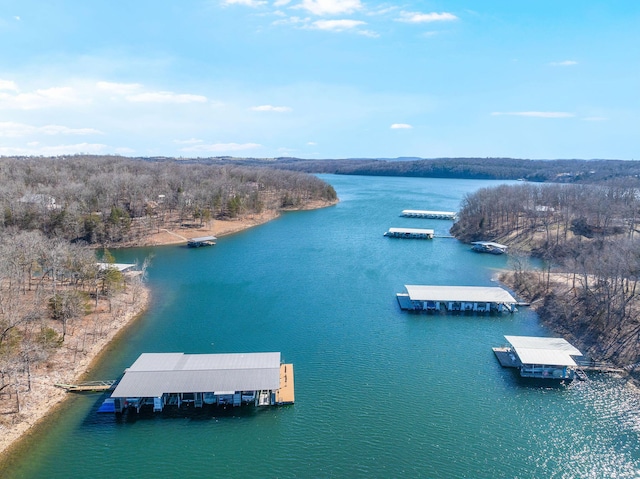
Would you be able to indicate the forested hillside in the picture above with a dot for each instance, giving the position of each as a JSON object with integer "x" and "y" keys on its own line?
{"x": 558, "y": 171}
{"x": 109, "y": 200}
{"x": 588, "y": 237}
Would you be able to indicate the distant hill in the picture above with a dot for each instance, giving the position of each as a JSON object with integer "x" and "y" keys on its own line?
{"x": 556, "y": 171}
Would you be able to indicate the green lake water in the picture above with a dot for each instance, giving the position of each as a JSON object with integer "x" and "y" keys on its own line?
{"x": 379, "y": 392}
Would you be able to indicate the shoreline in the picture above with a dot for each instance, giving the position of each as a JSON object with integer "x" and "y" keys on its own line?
{"x": 217, "y": 228}
{"x": 45, "y": 400}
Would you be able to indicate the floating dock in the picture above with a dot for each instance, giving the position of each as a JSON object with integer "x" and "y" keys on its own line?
{"x": 436, "y": 215}
{"x": 488, "y": 247}
{"x": 158, "y": 380}
{"x": 89, "y": 386}
{"x": 201, "y": 241}
{"x": 456, "y": 299}
{"x": 540, "y": 358}
{"x": 286, "y": 393}
{"x": 409, "y": 233}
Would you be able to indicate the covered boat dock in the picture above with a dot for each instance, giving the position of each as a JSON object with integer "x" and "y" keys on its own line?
{"x": 201, "y": 241}
{"x": 410, "y": 233}
{"x": 159, "y": 380}
{"x": 437, "y": 215}
{"x": 489, "y": 247}
{"x": 472, "y": 299}
{"x": 537, "y": 357}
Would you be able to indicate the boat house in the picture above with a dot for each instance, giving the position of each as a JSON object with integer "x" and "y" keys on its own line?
{"x": 158, "y": 380}
{"x": 449, "y": 299}
{"x": 411, "y": 233}
{"x": 543, "y": 358}
{"x": 489, "y": 247}
{"x": 437, "y": 215}
{"x": 201, "y": 241}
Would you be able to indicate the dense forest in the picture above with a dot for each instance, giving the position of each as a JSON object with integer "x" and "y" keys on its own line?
{"x": 587, "y": 237}
{"x": 558, "y": 171}
{"x": 108, "y": 200}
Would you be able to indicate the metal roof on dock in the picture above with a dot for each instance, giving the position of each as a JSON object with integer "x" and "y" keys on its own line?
{"x": 471, "y": 294}
{"x": 411, "y": 231}
{"x": 202, "y": 239}
{"x": 548, "y": 351}
{"x": 429, "y": 213}
{"x": 154, "y": 374}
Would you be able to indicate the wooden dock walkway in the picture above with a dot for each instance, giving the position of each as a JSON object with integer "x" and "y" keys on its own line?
{"x": 89, "y": 386}
{"x": 286, "y": 393}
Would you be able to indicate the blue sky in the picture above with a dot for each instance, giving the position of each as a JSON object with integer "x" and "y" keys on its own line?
{"x": 321, "y": 78}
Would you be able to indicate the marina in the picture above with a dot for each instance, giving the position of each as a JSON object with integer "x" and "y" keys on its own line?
{"x": 540, "y": 358}
{"x": 410, "y": 233}
{"x": 326, "y": 302}
{"x": 158, "y": 380}
{"x": 436, "y": 215}
{"x": 456, "y": 299}
{"x": 201, "y": 241}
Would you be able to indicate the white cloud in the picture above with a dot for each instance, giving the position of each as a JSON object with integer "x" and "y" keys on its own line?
{"x": 417, "y": 17}
{"x": 246, "y": 3}
{"x": 221, "y": 147}
{"x": 401, "y": 126}
{"x": 279, "y": 109}
{"x": 43, "y": 98}
{"x": 281, "y": 3}
{"x": 292, "y": 21}
{"x": 11, "y": 129}
{"x": 166, "y": 97}
{"x": 312, "y": 143}
{"x": 565, "y": 63}
{"x": 330, "y": 7}
{"x": 118, "y": 88}
{"x": 337, "y": 25}
{"x": 536, "y": 114}
{"x": 8, "y": 85}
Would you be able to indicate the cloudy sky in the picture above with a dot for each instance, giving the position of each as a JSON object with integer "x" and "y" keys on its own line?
{"x": 321, "y": 78}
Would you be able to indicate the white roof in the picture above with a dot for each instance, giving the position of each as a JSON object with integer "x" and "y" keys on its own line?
{"x": 491, "y": 243}
{"x": 547, "y": 351}
{"x": 460, "y": 293}
{"x": 428, "y": 212}
{"x": 119, "y": 266}
{"x": 202, "y": 238}
{"x": 154, "y": 374}
{"x": 411, "y": 230}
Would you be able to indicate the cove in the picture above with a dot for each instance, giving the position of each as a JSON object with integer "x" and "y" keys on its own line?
{"x": 379, "y": 392}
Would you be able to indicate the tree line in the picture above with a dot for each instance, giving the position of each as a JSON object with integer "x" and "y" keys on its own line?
{"x": 110, "y": 200}
{"x": 587, "y": 236}
{"x": 557, "y": 171}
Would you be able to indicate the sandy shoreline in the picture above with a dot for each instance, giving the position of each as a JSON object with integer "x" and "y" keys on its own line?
{"x": 44, "y": 397}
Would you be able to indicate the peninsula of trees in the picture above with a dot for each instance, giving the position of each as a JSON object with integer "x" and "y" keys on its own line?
{"x": 112, "y": 201}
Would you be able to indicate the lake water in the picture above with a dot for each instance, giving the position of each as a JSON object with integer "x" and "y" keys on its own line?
{"x": 379, "y": 392}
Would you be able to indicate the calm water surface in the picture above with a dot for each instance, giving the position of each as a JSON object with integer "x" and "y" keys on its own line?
{"x": 379, "y": 392}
